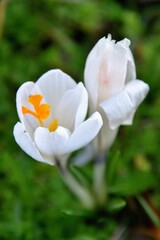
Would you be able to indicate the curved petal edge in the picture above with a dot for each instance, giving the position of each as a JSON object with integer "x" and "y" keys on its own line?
{"x": 84, "y": 133}
{"x": 27, "y": 145}
{"x": 121, "y": 107}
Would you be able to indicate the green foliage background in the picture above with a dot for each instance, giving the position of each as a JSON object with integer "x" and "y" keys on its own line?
{"x": 39, "y": 35}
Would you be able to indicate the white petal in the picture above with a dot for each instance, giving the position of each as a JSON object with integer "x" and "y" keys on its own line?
{"x": 30, "y": 123}
{"x": 105, "y": 70}
{"x": 125, "y": 42}
{"x": 84, "y": 133}
{"x": 72, "y": 108}
{"x": 51, "y": 144}
{"x": 91, "y": 71}
{"x": 21, "y": 97}
{"x": 53, "y": 85}
{"x": 121, "y": 107}
{"x": 25, "y": 142}
{"x": 131, "y": 69}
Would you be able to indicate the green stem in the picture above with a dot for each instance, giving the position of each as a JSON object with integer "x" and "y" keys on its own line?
{"x": 112, "y": 166}
{"x": 152, "y": 215}
{"x": 99, "y": 183}
{"x": 81, "y": 192}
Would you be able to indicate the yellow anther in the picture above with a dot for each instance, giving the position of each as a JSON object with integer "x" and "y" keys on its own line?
{"x": 42, "y": 111}
{"x": 53, "y": 125}
{"x": 35, "y": 100}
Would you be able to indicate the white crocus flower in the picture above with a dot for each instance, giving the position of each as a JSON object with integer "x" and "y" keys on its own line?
{"x": 52, "y": 113}
{"x": 114, "y": 91}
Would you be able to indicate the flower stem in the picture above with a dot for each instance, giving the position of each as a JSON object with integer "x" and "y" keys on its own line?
{"x": 81, "y": 192}
{"x": 99, "y": 183}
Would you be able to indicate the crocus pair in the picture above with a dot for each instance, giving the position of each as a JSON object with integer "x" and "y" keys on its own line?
{"x": 52, "y": 111}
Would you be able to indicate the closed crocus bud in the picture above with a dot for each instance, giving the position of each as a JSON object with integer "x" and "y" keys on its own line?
{"x": 114, "y": 91}
{"x": 52, "y": 113}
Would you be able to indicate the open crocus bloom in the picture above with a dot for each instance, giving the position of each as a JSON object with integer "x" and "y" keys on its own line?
{"x": 52, "y": 113}
{"x": 110, "y": 79}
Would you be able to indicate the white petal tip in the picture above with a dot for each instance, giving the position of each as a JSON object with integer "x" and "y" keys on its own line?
{"x": 97, "y": 118}
{"x": 125, "y": 42}
{"x": 109, "y": 37}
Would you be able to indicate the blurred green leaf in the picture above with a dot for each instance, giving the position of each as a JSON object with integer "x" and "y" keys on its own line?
{"x": 133, "y": 183}
{"x": 77, "y": 213}
{"x": 116, "y": 204}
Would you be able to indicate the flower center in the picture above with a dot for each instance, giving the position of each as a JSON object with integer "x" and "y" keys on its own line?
{"x": 41, "y": 111}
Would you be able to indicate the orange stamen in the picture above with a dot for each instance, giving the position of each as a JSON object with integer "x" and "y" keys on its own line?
{"x": 42, "y": 111}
